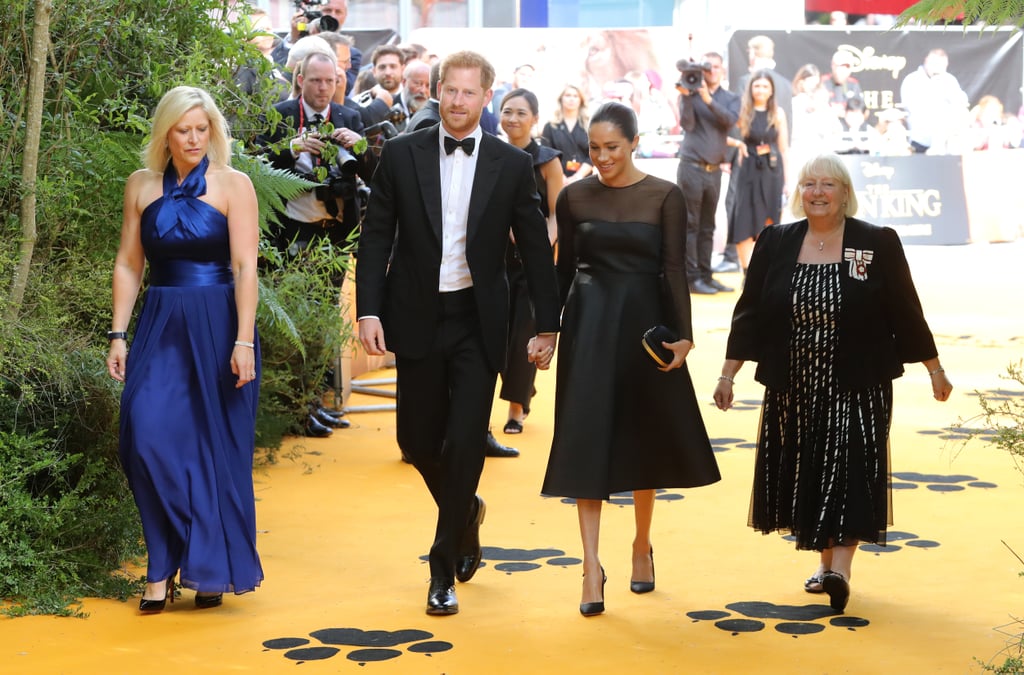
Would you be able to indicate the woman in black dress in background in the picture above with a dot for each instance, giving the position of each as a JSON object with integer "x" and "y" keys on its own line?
{"x": 622, "y": 423}
{"x": 760, "y": 180}
{"x": 519, "y": 111}
{"x": 567, "y": 133}
{"x": 830, "y": 314}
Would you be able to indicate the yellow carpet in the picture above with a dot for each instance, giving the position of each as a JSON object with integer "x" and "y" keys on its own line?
{"x": 344, "y": 525}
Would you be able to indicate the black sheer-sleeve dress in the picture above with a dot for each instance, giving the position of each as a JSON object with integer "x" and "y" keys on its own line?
{"x": 620, "y": 423}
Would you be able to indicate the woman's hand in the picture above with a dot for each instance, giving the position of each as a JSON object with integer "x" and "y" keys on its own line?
{"x": 243, "y": 364}
{"x": 116, "y": 359}
{"x": 941, "y": 386}
{"x": 680, "y": 349}
{"x": 723, "y": 393}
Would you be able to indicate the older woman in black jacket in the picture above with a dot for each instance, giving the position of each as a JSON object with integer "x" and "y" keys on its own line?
{"x": 830, "y": 314}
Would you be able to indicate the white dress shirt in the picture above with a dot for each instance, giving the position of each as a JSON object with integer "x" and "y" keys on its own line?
{"x": 457, "y": 173}
{"x": 306, "y": 208}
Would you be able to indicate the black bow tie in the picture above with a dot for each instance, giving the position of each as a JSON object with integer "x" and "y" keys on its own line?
{"x": 467, "y": 145}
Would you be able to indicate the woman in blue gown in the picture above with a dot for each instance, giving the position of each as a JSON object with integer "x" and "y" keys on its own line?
{"x": 188, "y": 408}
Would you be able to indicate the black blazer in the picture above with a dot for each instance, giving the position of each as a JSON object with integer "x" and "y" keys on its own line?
{"x": 282, "y": 158}
{"x": 574, "y": 145}
{"x": 881, "y": 322}
{"x": 399, "y": 257}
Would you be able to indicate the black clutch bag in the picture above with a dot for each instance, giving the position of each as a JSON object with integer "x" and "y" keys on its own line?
{"x": 653, "y": 337}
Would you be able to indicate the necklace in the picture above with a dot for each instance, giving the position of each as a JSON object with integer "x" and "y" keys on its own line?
{"x": 821, "y": 242}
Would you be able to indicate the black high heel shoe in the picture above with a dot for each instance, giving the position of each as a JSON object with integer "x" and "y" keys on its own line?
{"x": 153, "y": 606}
{"x": 644, "y": 586}
{"x": 209, "y": 601}
{"x": 595, "y": 608}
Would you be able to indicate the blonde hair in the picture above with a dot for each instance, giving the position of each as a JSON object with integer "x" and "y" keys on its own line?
{"x": 171, "y": 108}
{"x": 583, "y": 116}
{"x": 826, "y": 165}
{"x": 468, "y": 59}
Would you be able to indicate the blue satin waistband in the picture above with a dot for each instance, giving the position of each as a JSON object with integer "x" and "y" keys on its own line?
{"x": 190, "y": 273}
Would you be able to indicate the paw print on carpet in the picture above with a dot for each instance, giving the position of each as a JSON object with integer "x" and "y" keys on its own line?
{"x": 723, "y": 444}
{"x": 509, "y": 560}
{"x": 891, "y": 537}
{"x": 794, "y": 620}
{"x": 909, "y": 480}
{"x": 374, "y": 645}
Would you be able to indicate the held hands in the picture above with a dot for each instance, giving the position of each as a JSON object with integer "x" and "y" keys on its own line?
{"x": 680, "y": 349}
{"x": 371, "y": 336}
{"x": 540, "y": 350}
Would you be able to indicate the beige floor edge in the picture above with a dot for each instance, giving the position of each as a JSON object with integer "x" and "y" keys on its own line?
{"x": 343, "y": 525}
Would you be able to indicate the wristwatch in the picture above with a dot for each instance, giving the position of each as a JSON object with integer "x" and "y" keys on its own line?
{"x": 117, "y": 335}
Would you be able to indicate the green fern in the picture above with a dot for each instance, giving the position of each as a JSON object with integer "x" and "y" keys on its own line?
{"x": 273, "y": 186}
{"x": 987, "y": 12}
{"x": 275, "y": 314}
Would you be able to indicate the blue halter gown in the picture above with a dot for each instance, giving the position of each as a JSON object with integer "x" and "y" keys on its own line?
{"x": 187, "y": 434}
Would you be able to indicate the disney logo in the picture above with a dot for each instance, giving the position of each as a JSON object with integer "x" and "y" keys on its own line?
{"x": 867, "y": 59}
{"x": 875, "y": 170}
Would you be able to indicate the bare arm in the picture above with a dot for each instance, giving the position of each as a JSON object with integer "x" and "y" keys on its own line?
{"x": 243, "y": 235}
{"x": 129, "y": 265}
{"x": 555, "y": 179}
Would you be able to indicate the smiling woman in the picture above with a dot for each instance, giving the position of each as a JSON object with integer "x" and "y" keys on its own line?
{"x": 830, "y": 314}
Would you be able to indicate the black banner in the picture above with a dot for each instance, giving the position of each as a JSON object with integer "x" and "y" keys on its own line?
{"x": 984, "y": 62}
{"x": 919, "y": 196}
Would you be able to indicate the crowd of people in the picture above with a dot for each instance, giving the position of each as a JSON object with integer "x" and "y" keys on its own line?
{"x": 482, "y": 255}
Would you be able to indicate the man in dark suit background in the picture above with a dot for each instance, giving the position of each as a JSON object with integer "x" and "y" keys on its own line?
{"x": 431, "y": 280}
{"x": 310, "y": 216}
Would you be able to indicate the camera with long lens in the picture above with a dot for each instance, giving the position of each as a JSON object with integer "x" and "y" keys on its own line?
{"x": 340, "y": 182}
{"x": 325, "y": 22}
{"x": 691, "y": 74}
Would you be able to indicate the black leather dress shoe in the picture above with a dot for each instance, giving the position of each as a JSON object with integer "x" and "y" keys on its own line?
{"x": 719, "y": 286}
{"x": 441, "y": 599}
{"x": 702, "y": 287}
{"x": 496, "y": 449}
{"x": 315, "y": 429}
{"x": 470, "y": 552}
{"x": 329, "y": 420}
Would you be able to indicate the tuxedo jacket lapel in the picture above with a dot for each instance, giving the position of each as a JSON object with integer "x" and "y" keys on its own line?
{"x": 426, "y": 170}
{"x": 488, "y": 167}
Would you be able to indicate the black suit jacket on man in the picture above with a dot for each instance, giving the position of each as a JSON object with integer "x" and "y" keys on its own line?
{"x": 398, "y": 272}
{"x": 881, "y": 322}
{"x": 428, "y": 115}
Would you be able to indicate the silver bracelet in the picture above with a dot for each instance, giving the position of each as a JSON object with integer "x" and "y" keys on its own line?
{"x": 243, "y": 343}
{"x": 933, "y": 373}
{"x": 726, "y": 378}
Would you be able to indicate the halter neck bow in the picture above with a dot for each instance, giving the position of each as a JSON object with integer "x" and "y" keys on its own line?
{"x": 180, "y": 202}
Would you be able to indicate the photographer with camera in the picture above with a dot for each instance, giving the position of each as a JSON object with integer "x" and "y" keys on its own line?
{"x": 328, "y": 17}
{"x": 316, "y": 138}
{"x": 706, "y": 112}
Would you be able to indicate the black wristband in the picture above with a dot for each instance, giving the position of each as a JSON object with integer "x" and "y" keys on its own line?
{"x": 117, "y": 335}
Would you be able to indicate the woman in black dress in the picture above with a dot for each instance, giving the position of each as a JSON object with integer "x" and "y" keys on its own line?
{"x": 621, "y": 422}
{"x": 760, "y": 180}
{"x": 830, "y": 313}
{"x": 567, "y": 133}
{"x": 519, "y": 110}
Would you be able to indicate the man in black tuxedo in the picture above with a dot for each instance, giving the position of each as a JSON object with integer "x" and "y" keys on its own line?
{"x": 431, "y": 279}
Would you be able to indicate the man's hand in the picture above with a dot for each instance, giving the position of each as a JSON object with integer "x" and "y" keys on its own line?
{"x": 345, "y": 137}
{"x": 371, "y": 336}
{"x": 541, "y": 349}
